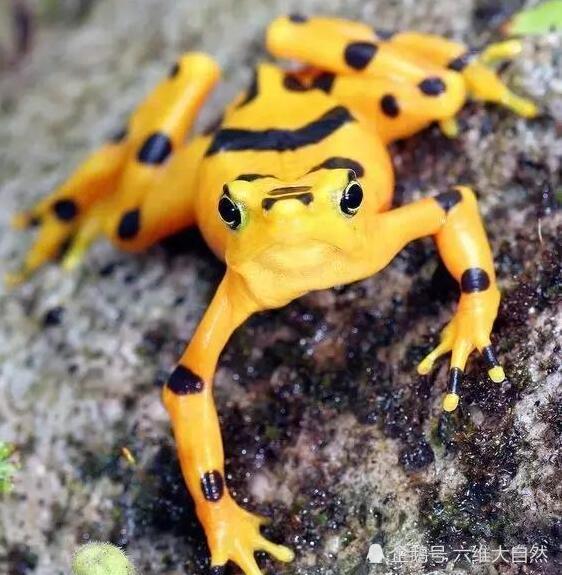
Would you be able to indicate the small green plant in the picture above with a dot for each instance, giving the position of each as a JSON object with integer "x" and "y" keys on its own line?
{"x": 101, "y": 559}
{"x": 7, "y": 468}
{"x": 541, "y": 19}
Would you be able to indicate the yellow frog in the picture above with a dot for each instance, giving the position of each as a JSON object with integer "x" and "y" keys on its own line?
{"x": 293, "y": 190}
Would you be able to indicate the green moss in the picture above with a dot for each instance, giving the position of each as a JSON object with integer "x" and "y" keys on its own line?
{"x": 101, "y": 559}
{"x": 7, "y": 468}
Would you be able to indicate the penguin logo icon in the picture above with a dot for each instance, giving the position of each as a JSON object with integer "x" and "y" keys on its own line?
{"x": 376, "y": 554}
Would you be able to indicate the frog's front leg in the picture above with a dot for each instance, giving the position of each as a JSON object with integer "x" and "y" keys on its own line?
{"x": 232, "y": 533}
{"x": 453, "y": 219}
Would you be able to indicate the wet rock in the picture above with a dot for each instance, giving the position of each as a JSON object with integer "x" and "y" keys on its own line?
{"x": 327, "y": 427}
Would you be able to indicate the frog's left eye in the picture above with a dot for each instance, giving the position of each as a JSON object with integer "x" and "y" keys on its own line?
{"x": 351, "y": 198}
{"x": 230, "y": 212}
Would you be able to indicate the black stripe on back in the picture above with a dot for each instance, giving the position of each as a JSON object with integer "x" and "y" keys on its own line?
{"x": 234, "y": 139}
{"x": 336, "y": 162}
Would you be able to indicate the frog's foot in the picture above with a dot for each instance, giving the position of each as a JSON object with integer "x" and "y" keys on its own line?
{"x": 66, "y": 218}
{"x": 64, "y": 231}
{"x": 484, "y": 83}
{"x": 468, "y": 330}
{"x": 234, "y": 535}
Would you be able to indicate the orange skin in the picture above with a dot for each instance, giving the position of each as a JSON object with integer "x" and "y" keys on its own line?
{"x": 293, "y": 190}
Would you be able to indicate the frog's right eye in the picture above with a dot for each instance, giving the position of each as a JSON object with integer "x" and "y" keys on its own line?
{"x": 230, "y": 211}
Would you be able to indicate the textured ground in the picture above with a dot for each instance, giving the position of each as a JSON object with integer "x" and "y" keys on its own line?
{"x": 327, "y": 427}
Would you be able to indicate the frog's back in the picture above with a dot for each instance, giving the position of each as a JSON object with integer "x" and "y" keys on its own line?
{"x": 281, "y": 128}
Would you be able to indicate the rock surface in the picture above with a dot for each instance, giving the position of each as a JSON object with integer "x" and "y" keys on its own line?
{"x": 327, "y": 427}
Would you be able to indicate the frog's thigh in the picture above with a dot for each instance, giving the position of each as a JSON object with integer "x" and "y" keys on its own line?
{"x": 398, "y": 108}
{"x": 352, "y": 48}
{"x": 155, "y": 196}
{"x": 166, "y": 205}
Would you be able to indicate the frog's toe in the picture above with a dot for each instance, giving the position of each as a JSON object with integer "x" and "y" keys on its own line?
{"x": 505, "y": 50}
{"x": 445, "y": 346}
{"x": 449, "y": 127}
{"x": 523, "y": 107}
{"x": 495, "y": 371}
{"x": 280, "y": 552}
{"x": 24, "y": 220}
{"x": 52, "y": 239}
{"x": 244, "y": 555}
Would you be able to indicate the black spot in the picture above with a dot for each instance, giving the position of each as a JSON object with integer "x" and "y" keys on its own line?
{"x": 174, "y": 70}
{"x": 252, "y": 177}
{"x": 448, "y": 199}
{"x": 118, "y": 136}
{"x": 129, "y": 225}
{"x": 324, "y": 82}
{"x": 459, "y": 63}
{"x": 389, "y": 106}
{"x": 298, "y": 18}
{"x": 65, "y": 210}
{"x": 306, "y": 199}
{"x": 384, "y": 34}
{"x": 218, "y": 570}
{"x": 358, "y": 55}
{"x": 183, "y": 381}
{"x": 212, "y": 485}
{"x": 293, "y": 84}
{"x": 337, "y": 162}
{"x": 490, "y": 357}
{"x": 455, "y": 380}
{"x": 53, "y": 317}
{"x": 432, "y": 86}
{"x": 155, "y": 150}
{"x": 474, "y": 280}
{"x": 252, "y": 91}
{"x": 234, "y": 139}
{"x": 33, "y": 221}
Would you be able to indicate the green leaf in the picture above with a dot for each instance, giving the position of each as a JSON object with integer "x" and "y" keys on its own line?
{"x": 544, "y": 18}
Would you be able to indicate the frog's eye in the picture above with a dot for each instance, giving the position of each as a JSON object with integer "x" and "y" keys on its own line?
{"x": 230, "y": 212}
{"x": 351, "y": 198}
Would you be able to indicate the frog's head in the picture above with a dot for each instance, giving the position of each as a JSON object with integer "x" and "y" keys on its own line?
{"x": 312, "y": 225}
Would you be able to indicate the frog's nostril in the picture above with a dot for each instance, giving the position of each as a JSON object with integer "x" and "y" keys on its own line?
{"x": 304, "y": 198}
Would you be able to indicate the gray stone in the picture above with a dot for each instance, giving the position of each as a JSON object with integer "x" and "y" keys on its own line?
{"x": 327, "y": 427}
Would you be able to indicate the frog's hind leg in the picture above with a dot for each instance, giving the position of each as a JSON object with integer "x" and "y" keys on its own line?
{"x": 163, "y": 205}
{"x": 483, "y": 83}
{"x": 402, "y": 92}
{"x": 440, "y": 73}
{"x": 157, "y": 189}
{"x": 136, "y": 189}
{"x": 397, "y": 108}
